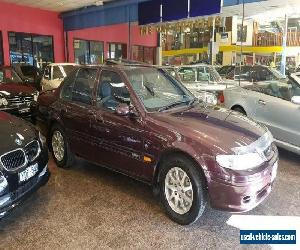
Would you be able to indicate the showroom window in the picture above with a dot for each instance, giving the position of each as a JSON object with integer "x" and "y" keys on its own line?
{"x": 88, "y": 52}
{"x": 241, "y": 37}
{"x": 143, "y": 54}
{"x": 117, "y": 51}
{"x": 36, "y": 50}
{"x": 1, "y": 50}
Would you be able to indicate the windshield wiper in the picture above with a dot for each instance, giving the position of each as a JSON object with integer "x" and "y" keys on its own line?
{"x": 172, "y": 105}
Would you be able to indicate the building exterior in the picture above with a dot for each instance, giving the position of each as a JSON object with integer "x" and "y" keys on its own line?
{"x": 39, "y": 37}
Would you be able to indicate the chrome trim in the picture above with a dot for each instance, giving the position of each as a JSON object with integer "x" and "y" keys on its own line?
{"x": 25, "y": 156}
{"x": 13, "y": 169}
{"x": 39, "y": 149}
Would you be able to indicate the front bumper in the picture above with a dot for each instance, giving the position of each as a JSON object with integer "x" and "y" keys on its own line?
{"x": 18, "y": 193}
{"x": 243, "y": 196}
{"x": 22, "y": 111}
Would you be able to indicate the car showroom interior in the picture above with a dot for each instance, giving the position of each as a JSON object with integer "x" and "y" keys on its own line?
{"x": 150, "y": 124}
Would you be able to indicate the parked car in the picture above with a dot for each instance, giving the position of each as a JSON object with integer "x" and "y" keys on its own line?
{"x": 205, "y": 96}
{"x": 16, "y": 97}
{"x": 273, "y": 103}
{"x": 139, "y": 121}
{"x": 23, "y": 160}
{"x": 29, "y": 73}
{"x": 54, "y": 74}
{"x": 252, "y": 74}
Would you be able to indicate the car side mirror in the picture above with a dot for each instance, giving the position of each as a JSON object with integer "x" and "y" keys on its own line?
{"x": 123, "y": 109}
{"x": 296, "y": 100}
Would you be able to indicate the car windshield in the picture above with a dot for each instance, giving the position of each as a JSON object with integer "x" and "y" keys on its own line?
{"x": 280, "y": 89}
{"x": 277, "y": 74}
{"x": 199, "y": 74}
{"x": 28, "y": 70}
{"x": 156, "y": 89}
{"x": 8, "y": 75}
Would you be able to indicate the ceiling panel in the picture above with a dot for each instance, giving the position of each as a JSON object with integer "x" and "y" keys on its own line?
{"x": 57, "y": 5}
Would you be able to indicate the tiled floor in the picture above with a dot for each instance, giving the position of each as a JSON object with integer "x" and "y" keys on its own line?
{"x": 89, "y": 207}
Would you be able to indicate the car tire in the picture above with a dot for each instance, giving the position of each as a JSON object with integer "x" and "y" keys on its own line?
{"x": 239, "y": 110}
{"x": 190, "y": 193}
{"x": 60, "y": 148}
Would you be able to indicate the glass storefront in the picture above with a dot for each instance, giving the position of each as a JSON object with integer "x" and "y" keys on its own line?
{"x": 117, "y": 51}
{"x": 33, "y": 49}
{"x": 143, "y": 54}
{"x": 1, "y": 50}
{"x": 88, "y": 52}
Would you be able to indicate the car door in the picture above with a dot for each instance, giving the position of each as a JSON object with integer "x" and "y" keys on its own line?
{"x": 120, "y": 137}
{"x": 278, "y": 113}
{"x": 76, "y": 103}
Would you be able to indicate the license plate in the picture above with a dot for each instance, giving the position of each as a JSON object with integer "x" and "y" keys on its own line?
{"x": 274, "y": 171}
{"x": 28, "y": 173}
{"x": 25, "y": 110}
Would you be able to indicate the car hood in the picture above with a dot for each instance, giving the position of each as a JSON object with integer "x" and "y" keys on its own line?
{"x": 7, "y": 89}
{"x": 219, "y": 128}
{"x": 9, "y": 127}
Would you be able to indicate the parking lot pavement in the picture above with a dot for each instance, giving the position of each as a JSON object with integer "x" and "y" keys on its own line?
{"x": 90, "y": 207}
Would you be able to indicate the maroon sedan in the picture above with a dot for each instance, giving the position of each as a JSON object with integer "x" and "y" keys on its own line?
{"x": 140, "y": 121}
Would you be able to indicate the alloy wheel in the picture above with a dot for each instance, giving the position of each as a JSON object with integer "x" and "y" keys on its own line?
{"x": 178, "y": 190}
{"x": 58, "y": 145}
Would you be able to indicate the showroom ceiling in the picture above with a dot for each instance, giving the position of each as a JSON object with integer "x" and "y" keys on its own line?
{"x": 58, "y": 5}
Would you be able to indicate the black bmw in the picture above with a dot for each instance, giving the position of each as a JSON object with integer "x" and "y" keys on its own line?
{"x": 23, "y": 161}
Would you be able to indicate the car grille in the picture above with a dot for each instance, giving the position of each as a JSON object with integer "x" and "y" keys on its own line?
{"x": 32, "y": 150}
{"x": 13, "y": 159}
{"x": 24, "y": 188}
{"x": 19, "y": 100}
{"x": 20, "y": 157}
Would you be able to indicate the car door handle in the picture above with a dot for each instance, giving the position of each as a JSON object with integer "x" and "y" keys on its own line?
{"x": 262, "y": 102}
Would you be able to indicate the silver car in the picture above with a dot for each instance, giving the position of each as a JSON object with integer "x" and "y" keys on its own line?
{"x": 273, "y": 103}
{"x": 202, "y": 77}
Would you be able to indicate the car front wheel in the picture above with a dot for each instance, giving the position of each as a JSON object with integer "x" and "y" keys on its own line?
{"x": 60, "y": 148}
{"x": 182, "y": 190}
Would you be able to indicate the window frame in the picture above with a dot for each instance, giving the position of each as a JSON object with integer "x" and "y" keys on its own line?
{"x": 117, "y": 43}
{"x": 89, "y": 49}
{"x": 31, "y": 40}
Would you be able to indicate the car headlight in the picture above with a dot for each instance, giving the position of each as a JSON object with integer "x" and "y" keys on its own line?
{"x": 3, "y": 102}
{"x": 3, "y": 184}
{"x": 42, "y": 139}
{"x": 247, "y": 157}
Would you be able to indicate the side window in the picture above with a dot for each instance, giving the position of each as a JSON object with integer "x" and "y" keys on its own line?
{"x": 67, "y": 86}
{"x": 47, "y": 73}
{"x": 83, "y": 86}
{"x": 111, "y": 91}
{"x": 202, "y": 74}
{"x": 57, "y": 74}
{"x": 187, "y": 74}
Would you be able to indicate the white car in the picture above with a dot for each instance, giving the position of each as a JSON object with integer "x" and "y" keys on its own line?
{"x": 55, "y": 73}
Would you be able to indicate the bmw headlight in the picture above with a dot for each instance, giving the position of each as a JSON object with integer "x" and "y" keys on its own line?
{"x": 3, "y": 102}
{"x": 247, "y": 157}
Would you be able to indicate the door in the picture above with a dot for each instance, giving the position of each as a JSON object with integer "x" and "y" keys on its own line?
{"x": 275, "y": 109}
{"x": 76, "y": 106}
{"x": 120, "y": 137}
